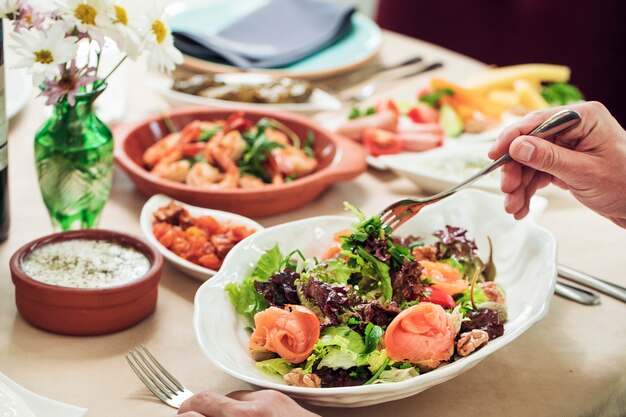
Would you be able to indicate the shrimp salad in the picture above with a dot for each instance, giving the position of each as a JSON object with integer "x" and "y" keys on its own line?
{"x": 232, "y": 153}
{"x": 376, "y": 309}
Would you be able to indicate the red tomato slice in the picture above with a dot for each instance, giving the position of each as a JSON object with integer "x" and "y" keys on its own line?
{"x": 386, "y": 104}
{"x": 437, "y": 296}
{"x": 423, "y": 113}
{"x": 381, "y": 142}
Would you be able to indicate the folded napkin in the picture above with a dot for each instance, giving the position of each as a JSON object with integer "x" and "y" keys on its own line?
{"x": 18, "y": 401}
{"x": 274, "y": 35}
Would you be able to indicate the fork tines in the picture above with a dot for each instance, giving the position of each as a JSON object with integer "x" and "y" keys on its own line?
{"x": 156, "y": 378}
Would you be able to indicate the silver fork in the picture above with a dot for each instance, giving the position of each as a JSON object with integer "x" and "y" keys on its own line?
{"x": 399, "y": 212}
{"x": 156, "y": 378}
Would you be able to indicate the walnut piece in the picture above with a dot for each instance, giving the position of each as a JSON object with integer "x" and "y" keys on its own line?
{"x": 421, "y": 253}
{"x": 492, "y": 292}
{"x": 296, "y": 379}
{"x": 470, "y": 341}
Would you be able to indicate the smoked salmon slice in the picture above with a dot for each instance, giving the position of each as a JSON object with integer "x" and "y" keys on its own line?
{"x": 446, "y": 278}
{"x": 422, "y": 334}
{"x": 290, "y": 332}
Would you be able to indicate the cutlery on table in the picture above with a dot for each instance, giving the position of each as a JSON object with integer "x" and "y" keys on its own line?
{"x": 612, "y": 290}
{"x": 369, "y": 89}
{"x": 576, "y": 294}
{"x": 156, "y": 378}
{"x": 377, "y": 69}
{"x": 399, "y": 212}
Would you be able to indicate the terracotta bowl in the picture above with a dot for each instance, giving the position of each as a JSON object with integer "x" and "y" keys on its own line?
{"x": 86, "y": 311}
{"x": 339, "y": 160}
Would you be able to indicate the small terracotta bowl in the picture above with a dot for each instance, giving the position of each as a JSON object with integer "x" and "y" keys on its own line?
{"x": 339, "y": 159}
{"x": 86, "y": 311}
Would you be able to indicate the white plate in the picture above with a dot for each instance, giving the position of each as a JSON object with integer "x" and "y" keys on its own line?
{"x": 320, "y": 100}
{"x": 37, "y": 404}
{"x": 524, "y": 253}
{"x": 18, "y": 86}
{"x": 440, "y": 169}
{"x": 196, "y": 271}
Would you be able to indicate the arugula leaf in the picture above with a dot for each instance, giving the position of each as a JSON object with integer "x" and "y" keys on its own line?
{"x": 373, "y": 333}
{"x": 257, "y": 150}
{"x": 356, "y": 112}
{"x": 433, "y": 98}
{"x": 207, "y": 134}
{"x": 245, "y": 299}
{"x": 561, "y": 94}
{"x": 377, "y": 374}
{"x": 269, "y": 264}
{"x": 308, "y": 145}
{"x": 382, "y": 271}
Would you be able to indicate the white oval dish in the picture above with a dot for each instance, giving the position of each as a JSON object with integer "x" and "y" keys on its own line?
{"x": 440, "y": 169}
{"x": 524, "y": 253}
{"x": 320, "y": 100}
{"x": 196, "y": 271}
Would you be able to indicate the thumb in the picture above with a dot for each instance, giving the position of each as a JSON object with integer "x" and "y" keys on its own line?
{"x": 543, "y": 155}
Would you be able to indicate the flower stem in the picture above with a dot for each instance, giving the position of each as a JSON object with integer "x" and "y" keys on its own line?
{"x": 115, "y": 68}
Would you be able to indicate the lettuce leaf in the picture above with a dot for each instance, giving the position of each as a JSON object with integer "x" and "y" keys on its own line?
{"x": 337, "y": 347}
{"x": 246, "y": 300}
{"x": 333, "y": 271}
{"x": 278, "y": 366}
{"x": 465, "y": 303}
{"x": 397, "y": 375}
{"x": 269, "y": 264}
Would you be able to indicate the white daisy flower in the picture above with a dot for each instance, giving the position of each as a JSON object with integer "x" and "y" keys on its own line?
{"x": 90, "y": 17}
{"x": 44, "y": 52}
{"x": 9, "y": 8}
{"x": 162, "y": 54}
{"x": 126, "y": 21}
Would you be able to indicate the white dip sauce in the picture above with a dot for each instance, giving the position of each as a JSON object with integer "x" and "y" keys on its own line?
{"x": 83, "y": 263}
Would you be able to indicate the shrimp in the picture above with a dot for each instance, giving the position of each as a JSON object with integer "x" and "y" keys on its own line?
{"x": 230, "y": 179}
{"x": 202, "y": 174}
{"x": 293, "y": 161}
{"x": 158, "y": 150}
{"x": 173, "y": 171}
{"x": 277, "y": 136}
{"x": 249, "y": 181}
{"x": 233, "y": 145}
{"x": 170, "y": 143}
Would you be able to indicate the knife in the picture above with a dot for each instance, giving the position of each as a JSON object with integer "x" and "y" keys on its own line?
{"x": 576, "y": 294}
{"x": 612, "y": 290}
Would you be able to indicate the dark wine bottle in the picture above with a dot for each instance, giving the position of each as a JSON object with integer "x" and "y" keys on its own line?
{"x": 4, "y": 155}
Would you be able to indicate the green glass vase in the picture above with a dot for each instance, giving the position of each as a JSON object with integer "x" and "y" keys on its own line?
{"x": 74, "y": 158}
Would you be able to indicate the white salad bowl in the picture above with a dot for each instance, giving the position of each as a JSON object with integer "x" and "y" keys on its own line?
{"x": 524, "y": 254}
{"x": 196, "y": 271}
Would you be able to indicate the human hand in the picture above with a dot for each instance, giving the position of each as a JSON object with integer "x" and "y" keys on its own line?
{"x": 264, "y": 403}
{"x": 589, "y": 160}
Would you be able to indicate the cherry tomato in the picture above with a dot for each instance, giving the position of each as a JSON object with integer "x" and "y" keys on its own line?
{"x": 381, "y": 142}
{"x": 437, "y": 296}
{"x": 423, "y": 113}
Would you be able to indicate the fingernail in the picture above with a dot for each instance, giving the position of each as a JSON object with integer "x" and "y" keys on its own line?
{"x": 492, "y": 147}
{"x": 525, "y": 151}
